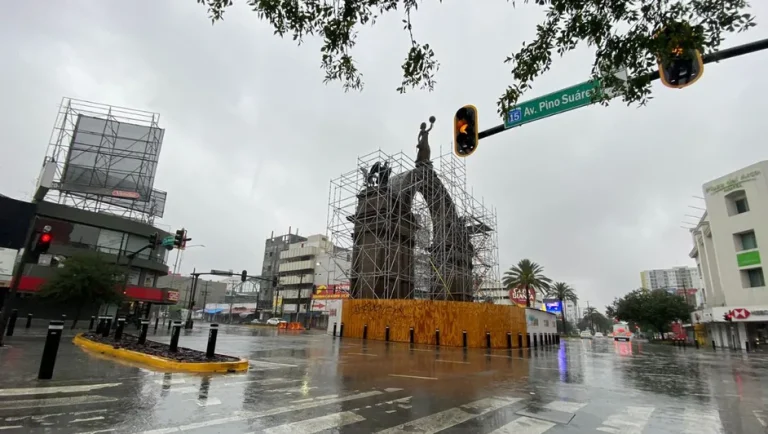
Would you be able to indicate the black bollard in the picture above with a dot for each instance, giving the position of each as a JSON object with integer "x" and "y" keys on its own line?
{"x": 557, "y": 339}
{"x": 29, "y": 321}
{"x": 50, "y": 349}
{"x": 519, "y": 340}
{"x": 509, "y": 340}
{"x": 119, "y": 329}
{"x": 386, "y": 334}
{"x": 107, "y": 327}
{"x": 157, "y": 321}
{"x": 170, "y": 323}
{"x": 64, "y": 318}
{"x": 365, "y": 331}
{"x": 437, "y": 337}
{"x": 90, "y": 325}
{"x": 746, "y": 346}
{"x": 535, "y": 344}
{"x": 696, "y": 343}
{"x": 100, "y": 325}
{"x": 714, "y": 347}
{"x": 143, "y": 335}
{"x": 549, "y": 338}
{"x": 528, "y": 340}
{"x": 464, "y": 338}
{"x": 175, "y": 336}
{"x": 341, "y": 330}
{"x": 334, "y": 329}
{"x": 12, "y": 322}
{"x": 488, "y": 339}
{"x": 211, "y": 350}
{"x": 411, "y": 335}
{"x": 541, "y": 339}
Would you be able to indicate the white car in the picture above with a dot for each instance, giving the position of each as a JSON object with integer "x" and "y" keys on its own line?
{"x": 275, "y": 321}
{"x": 599, "y": 335}
{"x": 585, "y": 334}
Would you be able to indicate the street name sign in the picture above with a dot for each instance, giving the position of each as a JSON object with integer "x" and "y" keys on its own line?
{"x": 557, "y": 102}
{"x": 168, "y": 241}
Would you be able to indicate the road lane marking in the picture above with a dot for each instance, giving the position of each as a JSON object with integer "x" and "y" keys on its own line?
{"x": 631, "y": 420}
{"x": 247, "y": 415}
{"x": 208, "y": 402}
{"x": 90, "y": 419}
{"x": 288, "y": 390}
{"x": 273, "y": 365}
{"x": 705, "y": 421}
{"x": 525, "y": 425}
{"x": 55, "y": 389}
{"x": 413, "y": 376}
{"x": 55, "y": 402}
{"x": 10, "y": 427}
{"x": 317, "y": 424}
{"x": 362, "y": 354}
{"x": 266, "y": 382}
{"x": 319, "y": 398}
{"x": 454, "y": 416}
{"x": 452, "y": 361}
{"x": 761, "y": 417}
{"x": 565, "y": 406}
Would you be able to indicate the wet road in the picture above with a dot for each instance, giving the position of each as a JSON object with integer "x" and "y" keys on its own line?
{"x": 308, "y": 383}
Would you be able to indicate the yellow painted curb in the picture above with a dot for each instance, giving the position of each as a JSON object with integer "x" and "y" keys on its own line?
{"x": 159, "y": 362}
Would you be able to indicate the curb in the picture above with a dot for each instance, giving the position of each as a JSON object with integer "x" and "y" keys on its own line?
{"x": 159, "y": 362}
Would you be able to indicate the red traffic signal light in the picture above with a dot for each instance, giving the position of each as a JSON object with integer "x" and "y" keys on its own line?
{"x": 465, "y": 131}
{"x": 45, "y": 238}
{"x": 43, "y": 242}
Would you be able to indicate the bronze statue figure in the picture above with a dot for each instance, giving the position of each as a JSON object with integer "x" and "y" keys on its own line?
{"x": 424, "y": 154}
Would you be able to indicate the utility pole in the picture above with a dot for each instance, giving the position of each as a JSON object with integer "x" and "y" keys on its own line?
{"x": 205, "y": 296}
{"x": 591, "y": 320}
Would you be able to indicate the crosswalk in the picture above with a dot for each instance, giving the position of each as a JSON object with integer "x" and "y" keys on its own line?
{"x": 279, "y": 405}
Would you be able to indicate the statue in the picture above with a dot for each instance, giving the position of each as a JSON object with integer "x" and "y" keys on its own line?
{"x": 377, "y": 176}
{"x": 424, "y": 154}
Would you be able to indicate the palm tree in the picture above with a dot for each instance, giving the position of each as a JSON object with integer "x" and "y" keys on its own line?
{"x": 589, "y": 313}
{"x": 562, "y": 292}
{"x": 527, "y": 275}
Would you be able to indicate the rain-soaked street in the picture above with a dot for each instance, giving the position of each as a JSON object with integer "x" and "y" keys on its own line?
{"x": 310, "y": 382}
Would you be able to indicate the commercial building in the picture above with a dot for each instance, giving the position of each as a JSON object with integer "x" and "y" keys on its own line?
{"x": 728, "y": 243}
{"x": 273, "y": 246}
{"x": 208, "y": 291}
{"x": 670, "y": 278}
{"x": 305, "y": 265}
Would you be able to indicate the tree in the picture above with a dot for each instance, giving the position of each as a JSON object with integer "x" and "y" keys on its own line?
{"x": 84, "y": 279}
{"x": 654, "y": 309}
{"x": 620, "y": 33}
{"x": 595, "y": 320}
{"x": 562, "y": 292}
{"x": 527, "y": 275}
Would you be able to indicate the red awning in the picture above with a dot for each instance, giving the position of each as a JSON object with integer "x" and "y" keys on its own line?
{"x": 132, "y": 292}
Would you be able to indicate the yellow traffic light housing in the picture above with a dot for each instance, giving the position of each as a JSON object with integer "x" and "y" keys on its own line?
{"x": 465, "y": 131}
{"x": 682, "y": 67}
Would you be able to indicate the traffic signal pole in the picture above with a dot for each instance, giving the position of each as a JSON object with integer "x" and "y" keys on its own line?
{"x": 717, "y": 56}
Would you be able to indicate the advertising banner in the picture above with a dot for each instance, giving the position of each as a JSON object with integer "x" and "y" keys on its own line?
{"x": 331, "y": 292}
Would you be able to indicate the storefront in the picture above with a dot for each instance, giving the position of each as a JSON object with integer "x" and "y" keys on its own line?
{"x": 747, "y": 329}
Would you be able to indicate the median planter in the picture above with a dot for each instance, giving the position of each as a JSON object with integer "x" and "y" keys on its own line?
{"x": 158, "y": 355}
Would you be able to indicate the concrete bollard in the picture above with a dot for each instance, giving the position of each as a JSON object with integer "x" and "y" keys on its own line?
{"x": 51, "y": 348}
{"x": 29, "y": 321}
{"x": 175, "y": 336}
{"x": 119, "y": 329}
{"x": 210, "y": 351}
{"x": 143, "y": 334}
{"x": 12, "y": 322}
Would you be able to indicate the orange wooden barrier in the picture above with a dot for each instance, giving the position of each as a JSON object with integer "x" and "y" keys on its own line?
{"x": 426, "y": 316}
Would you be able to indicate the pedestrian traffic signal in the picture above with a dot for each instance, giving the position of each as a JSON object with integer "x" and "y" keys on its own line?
{"x": 465, "y": 131}
{"x": 153, "y": 239}
{"x": 682, "y": 67}
{"x": 43, "y": 241}
{"x": 243, "y": 276}
{"x": 178, "y": 239}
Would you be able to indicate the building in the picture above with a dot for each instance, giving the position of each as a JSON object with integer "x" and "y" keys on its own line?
{"x": 208, "y": 291}
{"x": 77, "y": 231}
{"x": 728, "y": 243}
{"x": 306, "y": 264}
{"x": 272, "y": 248}
{"x": 671, "y": 278}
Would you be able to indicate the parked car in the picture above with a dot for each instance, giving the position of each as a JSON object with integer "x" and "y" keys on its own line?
{"x": 257, "y": 321}
{"x": 585, "y": 334}
{"x": 599, "y": 335}
{"x": 275, "y": 321}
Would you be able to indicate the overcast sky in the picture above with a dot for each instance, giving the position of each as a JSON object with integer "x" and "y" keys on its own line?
{"x": 253, "y": 136}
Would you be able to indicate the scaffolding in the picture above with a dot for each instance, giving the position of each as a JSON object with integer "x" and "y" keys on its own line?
{"x": 106, "y": 158}
{"x": 414, "y": 230}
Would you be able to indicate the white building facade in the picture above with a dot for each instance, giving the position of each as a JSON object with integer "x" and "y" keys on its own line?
{"x": 728, "y": 244}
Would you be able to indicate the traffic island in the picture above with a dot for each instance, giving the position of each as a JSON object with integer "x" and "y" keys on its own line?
{"x": 158, "y": 355}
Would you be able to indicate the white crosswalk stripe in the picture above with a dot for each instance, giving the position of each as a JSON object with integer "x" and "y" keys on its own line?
{"x": 525, "y": 425}
{"x": 631, "y": 420}
{"x": 454, "y": 416}
{"x": 317, "y": 424}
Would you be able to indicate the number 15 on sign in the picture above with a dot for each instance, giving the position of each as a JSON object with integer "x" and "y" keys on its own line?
{"x": 515, "y": 115}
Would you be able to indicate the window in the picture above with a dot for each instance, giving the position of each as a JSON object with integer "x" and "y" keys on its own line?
{"x": 752, "y": 278}
{"x": 746, "y": 240}
{"x": 736, "y": 202}
{"x": 269, "y": 268}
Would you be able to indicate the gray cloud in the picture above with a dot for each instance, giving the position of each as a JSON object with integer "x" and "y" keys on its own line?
{"x": 253, "y": 136}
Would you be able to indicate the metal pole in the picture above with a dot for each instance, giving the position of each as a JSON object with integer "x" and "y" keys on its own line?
{"x": 195, "y": 278}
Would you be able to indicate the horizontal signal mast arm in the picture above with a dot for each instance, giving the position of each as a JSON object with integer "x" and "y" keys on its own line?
{"x": 717, "y": 56}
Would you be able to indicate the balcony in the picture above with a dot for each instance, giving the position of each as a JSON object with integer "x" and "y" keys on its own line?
{"x": 288, "y": 267}
{"x": 307, "y": 279}
{"x": 299, "y": 252}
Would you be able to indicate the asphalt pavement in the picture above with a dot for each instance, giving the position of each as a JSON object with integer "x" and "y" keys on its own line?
{"x": 308, "y": 382}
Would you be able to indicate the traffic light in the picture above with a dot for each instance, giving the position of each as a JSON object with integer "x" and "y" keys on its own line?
{"x": 43, "y": 241}
{"x": 682, "y": 67}
{"x": 274, "y": 281}
{"x": 153, "y": 240}
{"x": 465, "y": 131}
{"x": 178, "y": 239}
{"x": 243, "y": 276}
